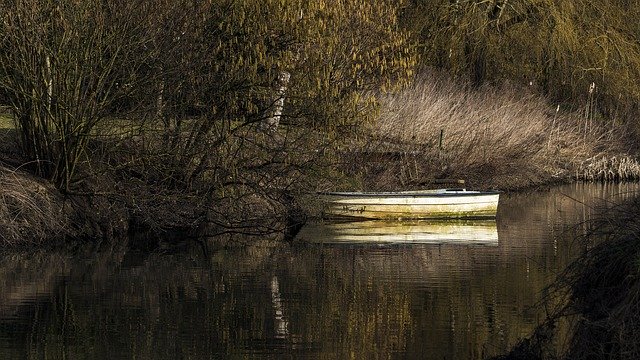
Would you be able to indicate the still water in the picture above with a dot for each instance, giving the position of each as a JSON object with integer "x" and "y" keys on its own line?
{"x": 451, "y": 296}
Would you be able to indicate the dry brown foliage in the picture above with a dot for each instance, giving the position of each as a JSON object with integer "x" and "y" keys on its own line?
{"x": 502, "y": 137}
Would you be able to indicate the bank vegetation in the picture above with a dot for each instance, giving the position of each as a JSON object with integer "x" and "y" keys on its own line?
{"x": 225, "y": 116}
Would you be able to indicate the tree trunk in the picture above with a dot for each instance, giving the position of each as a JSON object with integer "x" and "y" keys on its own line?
{"x": 272, "y": 122}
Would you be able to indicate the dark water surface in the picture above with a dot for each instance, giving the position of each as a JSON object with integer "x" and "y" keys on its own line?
{"x": 440, "y": 299}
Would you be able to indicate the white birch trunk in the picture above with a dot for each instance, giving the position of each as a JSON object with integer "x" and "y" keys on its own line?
{"x": 272, "y": 122}
{"x": 49, "y": 81}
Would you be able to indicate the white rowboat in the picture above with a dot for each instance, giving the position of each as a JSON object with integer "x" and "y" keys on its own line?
{"x": 422, "y": 204}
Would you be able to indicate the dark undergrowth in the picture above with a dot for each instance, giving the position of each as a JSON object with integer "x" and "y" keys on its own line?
{"x": 599, "y": 297}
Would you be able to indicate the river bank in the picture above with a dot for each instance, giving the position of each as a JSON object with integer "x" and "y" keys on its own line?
{"x": 34, "y": 212}
{"x": 258, "y": 182}
{"x": 499, "y": 137}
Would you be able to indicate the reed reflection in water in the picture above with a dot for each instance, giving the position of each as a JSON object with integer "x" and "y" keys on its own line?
{"x": 314, "y": 300}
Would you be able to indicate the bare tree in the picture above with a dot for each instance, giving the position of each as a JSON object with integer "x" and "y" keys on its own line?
{"x": 65, "y": 66}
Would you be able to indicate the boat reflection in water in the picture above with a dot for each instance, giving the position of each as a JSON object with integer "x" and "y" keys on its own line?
{"x": 477, "y": 232}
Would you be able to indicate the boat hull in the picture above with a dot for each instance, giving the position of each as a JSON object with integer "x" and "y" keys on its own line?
{"x": 444, "y": 204}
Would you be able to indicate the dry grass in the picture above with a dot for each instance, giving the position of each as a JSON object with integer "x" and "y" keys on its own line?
{"x": 30, "y": 210}
{"x": 609, "y": 168}
{"x": 492, "y": 137}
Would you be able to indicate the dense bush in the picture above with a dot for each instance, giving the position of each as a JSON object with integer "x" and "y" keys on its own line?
{"x": 179, "y": 102}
